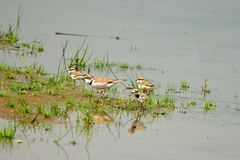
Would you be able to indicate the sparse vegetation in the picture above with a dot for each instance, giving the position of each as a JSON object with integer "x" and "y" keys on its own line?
{"x": 9, "y": 40}
{"x": 4, "y": 93}
{"x": 184, "y": 85}
{"x": 124, "y": 66}
{"x": 7, "y": 133}
{"x": 171, "y": 88}
{"x": 209, "y": 105}
{"x": 80, "y": 60}
{"x": 100, "y": 63}
{"x": 166, "y": 101}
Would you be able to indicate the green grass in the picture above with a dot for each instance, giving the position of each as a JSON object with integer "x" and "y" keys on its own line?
{"x": 7, "y": 133}
{"x": 100, "y": 63}
{"x": 11, "y": 36}
{"x": 85, "y": 107}
{"x": 171, "y": 88}
{"x": 191, "y": 103}
{"x": 166, "y": 101}
{"x": 33, "y": 47}
{"x": 11, "y": 104}
{"x": 54, "y": 109}
{"x": 4, "y": 93}
{"x": 70, "y": 103}
{"x": 22, "y": 100}
{"x": 20, "y": 87}
{"x": 209, "y": 105}
{"x": 124, "y": 66}
{"x": 25, "y": 109}
{"x": 34, "y": 69}
{"x": 88, "y": 93}
{"x": 184, "y": 85}
{"x": 80, "y": 59}
{"x": 10, "y": 39}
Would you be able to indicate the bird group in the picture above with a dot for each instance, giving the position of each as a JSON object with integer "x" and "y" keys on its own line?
{"x": 104, "y": 83}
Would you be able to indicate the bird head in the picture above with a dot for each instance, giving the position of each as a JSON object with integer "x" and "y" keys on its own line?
{"x": 71, "y": 70}
{"x": 139, "y": 79}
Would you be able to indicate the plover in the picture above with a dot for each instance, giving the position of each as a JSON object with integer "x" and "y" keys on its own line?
{"x": 144, "y": 84}
{"x": 101, "y": 83}
{"x": 75, "y": 75}
{"x": 141, "y": 97}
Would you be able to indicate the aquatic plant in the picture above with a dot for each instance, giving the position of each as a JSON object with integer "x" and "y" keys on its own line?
{"x": 100, "y": 63}
{"x": 184, "y": 85}
{"x": 33, "y": 47}
{"x": 8, "y": 38}
{"x": 11, "y": 37}
{"x": 166, "y": 101}
{"x": 124, "y": 66}
{"x": 171, "y": 88}
{"x": 80, "y": 61}
{"x": 7, "y": 133}
{"x": 209, "y": 105}
{"x": 191, "y": 102}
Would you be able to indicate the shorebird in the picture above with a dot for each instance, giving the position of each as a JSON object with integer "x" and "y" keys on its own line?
{"x": 144, "y": 84}
{"x": 75, "y": 75}
{"x": 141, "y": 97}
{"x": 101, "y": 83}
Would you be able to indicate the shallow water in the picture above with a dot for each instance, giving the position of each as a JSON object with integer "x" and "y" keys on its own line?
{"x": 187, "y": 40}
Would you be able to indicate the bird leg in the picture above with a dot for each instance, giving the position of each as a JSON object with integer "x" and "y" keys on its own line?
{"x": 103, "y": 94}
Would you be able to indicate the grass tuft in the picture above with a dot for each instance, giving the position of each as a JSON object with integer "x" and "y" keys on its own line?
{"x": 184, "y": 85}
{"x": 7, "y": 133}
{"x": 209, "y": 105}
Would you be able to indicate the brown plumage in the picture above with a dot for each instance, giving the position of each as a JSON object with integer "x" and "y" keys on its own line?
{"x": 143, "y": 84}
{"x": 139, "y": 95}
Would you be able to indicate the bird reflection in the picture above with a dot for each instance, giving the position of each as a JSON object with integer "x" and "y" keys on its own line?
{"x": 137, "y": 125}
{"x": 102, "y": 118}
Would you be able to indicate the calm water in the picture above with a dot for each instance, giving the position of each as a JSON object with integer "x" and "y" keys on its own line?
{"x": 188, "y": 39}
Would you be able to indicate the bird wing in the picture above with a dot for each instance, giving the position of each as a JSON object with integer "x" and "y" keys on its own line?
{"x": 103, "y": 80}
